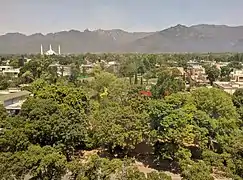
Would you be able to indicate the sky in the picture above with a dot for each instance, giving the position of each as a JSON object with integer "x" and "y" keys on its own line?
{"x": 45, "y": 16}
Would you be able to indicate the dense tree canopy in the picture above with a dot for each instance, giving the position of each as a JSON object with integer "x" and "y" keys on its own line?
{"x": 102, "y": 126}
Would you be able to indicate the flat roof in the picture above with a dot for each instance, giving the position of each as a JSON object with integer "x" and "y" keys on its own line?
{"x": 15, "y": 106}
{"x": 13, "y": 95}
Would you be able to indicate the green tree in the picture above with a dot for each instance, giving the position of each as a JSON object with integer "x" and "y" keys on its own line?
{"x": 126, "y": 127}
{"x": 167, "y": 84}
{"x": 212, "y": 73}
{"x": 93, "y": 168}
{"x": 225, "y": 73}
{"x": 4, "y": 82}
{"x": 38, "y": 162}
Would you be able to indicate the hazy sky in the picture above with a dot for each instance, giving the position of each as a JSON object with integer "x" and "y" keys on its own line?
{"x": 33, "y": 16}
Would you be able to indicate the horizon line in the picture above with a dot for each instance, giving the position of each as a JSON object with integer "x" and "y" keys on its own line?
{"x": 97, "y": 29}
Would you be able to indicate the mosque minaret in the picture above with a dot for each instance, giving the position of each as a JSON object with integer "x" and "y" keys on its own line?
{"x": 50, "y": 51}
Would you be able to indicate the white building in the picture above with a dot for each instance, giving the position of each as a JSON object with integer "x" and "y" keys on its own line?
{"x": 229, "y": 87}
{"x": 236, "y": 76}
{"x": 235, "y": 83}
{"x": 50, "y": 51}
{"x": 11, "y": 72}
{"x": 62, "y": 70}
{"x": 13, "y": 100}
{"x": 3, "y": 68}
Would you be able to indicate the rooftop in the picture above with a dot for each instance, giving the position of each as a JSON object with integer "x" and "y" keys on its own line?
{"x": 5, "y": 97}
{"x": 229, "y": 84}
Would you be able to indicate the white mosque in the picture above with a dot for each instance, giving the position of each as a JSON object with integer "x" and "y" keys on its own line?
{"x": 50, "y": 51}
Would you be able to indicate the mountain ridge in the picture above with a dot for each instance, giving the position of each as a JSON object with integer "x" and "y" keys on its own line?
{"x": 178, "y": 38}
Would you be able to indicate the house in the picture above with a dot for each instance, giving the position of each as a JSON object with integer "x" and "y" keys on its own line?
{"x": 88, "y": 68}
{"x": 236, "y": 76}
{"x": 62, "y": 70}
{"x": 113, "y": 65}
{"x": 219, "y": 65}
{"x": 3, "y": 68}
{"x": 197, "y": 73}
{"x": 12, "y": 101}
{"x": 236, "y": 82}
{"x": 11, "y": 72}
{"x": 229, "y": 87}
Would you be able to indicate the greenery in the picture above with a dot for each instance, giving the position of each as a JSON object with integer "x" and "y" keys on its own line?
{"x": 98, "y": 125}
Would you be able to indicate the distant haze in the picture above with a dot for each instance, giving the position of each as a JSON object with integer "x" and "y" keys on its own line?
{"x": 179, "y": 38}
{"x": 44, "y": 16}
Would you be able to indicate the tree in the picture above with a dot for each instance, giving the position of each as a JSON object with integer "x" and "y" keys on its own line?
{"x": 212, "y": 73}
{"x": 4, "y": 82}
{"x": 38, "y": 162}
{"x": 238, "y": 102}
{"x": 197, "y": 171}
{"x": 93, "y": 168}
{"x": 238, "y": 98}
{"x": 235, "y": 65}
{"x": 75, "y": 71}
{"x": 215, "y": 102}
{"x": 167, "y": 84}
{"x": 158, "y": 176}
{"x": 126, "y": 127}
{"x": 27, "y": 77}
{"x": 3, "y": 113}
{"x": 225, "y": 73}
{"x": 57, "y": 115}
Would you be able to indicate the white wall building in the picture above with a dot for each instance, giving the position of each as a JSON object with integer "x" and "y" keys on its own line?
{"x": 2, "y": 68}
{"x": 11, "y": 72}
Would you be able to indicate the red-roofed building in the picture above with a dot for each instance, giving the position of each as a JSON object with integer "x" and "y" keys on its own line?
{"x": 146, "y": 93}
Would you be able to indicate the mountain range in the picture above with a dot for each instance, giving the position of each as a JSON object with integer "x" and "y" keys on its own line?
{"x": 179, "y": 38}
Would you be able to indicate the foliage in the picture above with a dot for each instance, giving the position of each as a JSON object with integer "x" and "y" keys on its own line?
{"x": 127, "y": 128}
{"x": 38, "y": 162}
{"x": 197, "y": 132}
{"x": 167, "y": 84}
{"x": 94, "y": 167}
{"x": 225, "y": 73}
{"x": 212, "y": 73}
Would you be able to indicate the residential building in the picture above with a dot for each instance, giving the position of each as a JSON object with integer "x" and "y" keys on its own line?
{"x": 12, "y": 101}
{"x": 197, "y": 73}
{"x": 219, "y": 65}
{"x": 87, "y": 68}
{"x": 62, "y": 70}
{"x": 236, "y": 76}
{"x": 229, "y": 87}
{"x": 2, "y": 68}
{"x": 113, "y": 65}
{"x": 11, "y": 72}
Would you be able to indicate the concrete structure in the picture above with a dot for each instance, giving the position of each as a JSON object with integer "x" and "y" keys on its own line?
{"x": 197, "y": 73}
{"x": 88, "y": 68}
{"x": 113, "y": 65}
{"x": 219, "y": 65}
{"x": 2, "y": 68}
{"x": 236, "y": 76}
{"x": 235, "y": 82}
{"x": 229, "y": 87}
{"x": 62, "y": 70}
{"x": 12, "y": 101}
{"x": 11, "y": 72}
